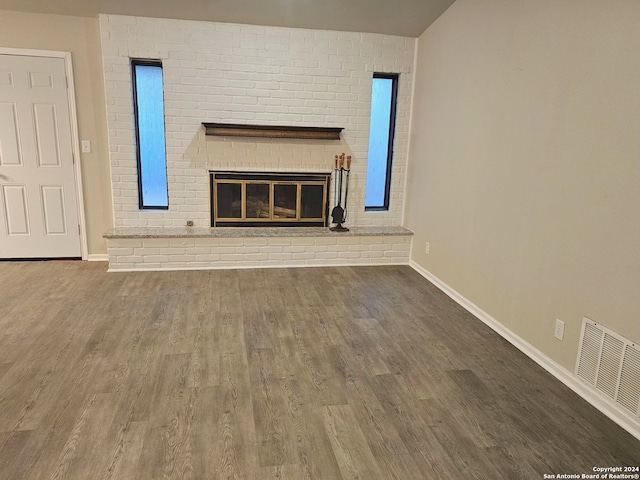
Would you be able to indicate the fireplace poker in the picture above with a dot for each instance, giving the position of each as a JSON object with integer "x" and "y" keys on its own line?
{"x": 335, "y": 185}
{"x": 346, "y": 187}
{"x": 341, "y": 165}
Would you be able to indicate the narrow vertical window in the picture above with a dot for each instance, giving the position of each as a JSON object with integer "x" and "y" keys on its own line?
{"x": 148, "y": 104}
{"x": 381, "y": 130}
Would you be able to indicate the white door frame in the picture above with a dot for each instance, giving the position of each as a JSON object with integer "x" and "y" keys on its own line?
{"x": 73, "y": 116}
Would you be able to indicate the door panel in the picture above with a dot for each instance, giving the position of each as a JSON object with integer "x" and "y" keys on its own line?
{"x": 53, "y": 210}
{"x": 45, "y": 123}
{"x": 40, "y": 80}
{"x": 9, "y": 146}
{"x": 6, "y": 78}
{"x": 16, "y": 210}
{"x": 38, "y": 201}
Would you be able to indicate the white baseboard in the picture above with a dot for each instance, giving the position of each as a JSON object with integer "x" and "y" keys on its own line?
{"x": 98, "y": 257}
{"x": 619, "y": 416}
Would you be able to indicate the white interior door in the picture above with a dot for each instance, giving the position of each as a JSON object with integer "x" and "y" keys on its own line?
{"x": 38, "y": 202}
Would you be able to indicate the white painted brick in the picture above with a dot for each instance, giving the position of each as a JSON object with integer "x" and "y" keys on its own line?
{"x": 155, "y": 259}
{"x": 206, "y": 242}
{"x": 294, "y": 249}
{"x": 370, "y": 240}
{"x": 327, "y": 255}
{"x": 318, "y": 261}
{"x": 326, "y": 241}
{"x": 359, "y": 248}
{"x": 181, "y": 242}
{"x": 271, "y": 249}
{"x": 224, "y": 250}
{"x": 200, "y": 250}
{"x": 317, "y": 248}
{"x": 232, "y": 257}
{"x": 173, "y": 251}
{"x": 125, "y": 243}
{"x": 182, "y": 258}
{"x": 148, "y": 251}
{"x": 231, "y": 242}
{"x": 384, "y": 260}
{"x": 390, "y": 240}
{"x": 212, "y": 257}
{"x": 279, "y": 241}
{"x": 348, "y": 254}
{"x": 122, "y": 251}
{"x": 280, "y": 256}
{"x": 244, "y": 73}
{"x": 303, "y": 241}
{"x": 256, "y": 257}
{"x": 304, "y": 256}
{"x": 131, "y": 259}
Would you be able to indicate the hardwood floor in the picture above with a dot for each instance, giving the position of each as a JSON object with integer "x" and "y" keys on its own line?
{"x": 325, "y": 373}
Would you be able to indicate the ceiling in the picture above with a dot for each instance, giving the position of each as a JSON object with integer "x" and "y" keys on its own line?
{"x": 394, "y": 17}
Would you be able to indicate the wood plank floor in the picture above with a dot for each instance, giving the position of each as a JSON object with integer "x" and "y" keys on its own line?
{"x": 325, "y": 373}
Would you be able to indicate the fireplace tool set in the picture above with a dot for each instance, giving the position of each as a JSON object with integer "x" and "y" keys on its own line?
{"x": 341, "y": 171}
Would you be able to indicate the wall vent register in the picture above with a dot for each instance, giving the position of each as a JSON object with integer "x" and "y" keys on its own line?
{"x": 610, "y": 364}
{"x": 269, "y": 199}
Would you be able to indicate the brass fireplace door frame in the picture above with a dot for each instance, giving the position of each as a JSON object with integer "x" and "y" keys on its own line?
{"x": 273, "y": 218}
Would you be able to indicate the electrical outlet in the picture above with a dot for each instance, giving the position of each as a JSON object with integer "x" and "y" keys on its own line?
{"x": 426, "y": 247}
{"x": 86, "y": 146}
{"x": 559, "y": 331}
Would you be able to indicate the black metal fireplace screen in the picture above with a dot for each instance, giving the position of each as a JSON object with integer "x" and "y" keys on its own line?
{"x": 269, "y": 199}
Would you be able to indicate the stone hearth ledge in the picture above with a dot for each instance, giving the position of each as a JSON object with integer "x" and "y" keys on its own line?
{"x": 248, "y": 232}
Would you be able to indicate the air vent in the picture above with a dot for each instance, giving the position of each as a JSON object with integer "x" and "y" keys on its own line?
{"x": 611, "y": 364}
{"x": 629, "y": 390}
{"x": 590, "y": 352}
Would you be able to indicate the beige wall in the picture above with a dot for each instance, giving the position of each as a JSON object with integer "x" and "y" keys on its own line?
{"x": 81, "y": 37}
{"x": 525, "y": 163}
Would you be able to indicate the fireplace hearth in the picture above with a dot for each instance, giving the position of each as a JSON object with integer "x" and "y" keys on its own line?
{"x": 269, "y": 199}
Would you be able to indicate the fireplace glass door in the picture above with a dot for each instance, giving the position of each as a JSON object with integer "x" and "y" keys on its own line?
{"x": 269, "y": 199}
{"x": 285, "y": 200}
{"x": 258, "y": 197}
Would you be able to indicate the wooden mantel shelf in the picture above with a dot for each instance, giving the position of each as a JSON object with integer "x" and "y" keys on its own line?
{"x": 272, "y": 131}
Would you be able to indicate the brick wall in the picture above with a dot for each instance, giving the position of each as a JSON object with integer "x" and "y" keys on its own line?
{"x": 216, "y": 72}
{"x": 206, "y": 253}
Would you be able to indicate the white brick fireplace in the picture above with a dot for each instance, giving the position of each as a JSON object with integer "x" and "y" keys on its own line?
{"x": 244, "y": 74}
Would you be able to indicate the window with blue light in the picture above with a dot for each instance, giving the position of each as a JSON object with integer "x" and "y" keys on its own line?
{"x": 148, "y": 100}
{"x": 381, "y": 129}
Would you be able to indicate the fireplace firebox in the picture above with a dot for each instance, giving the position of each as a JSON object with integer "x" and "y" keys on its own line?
{"x": 269, "y": 199}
